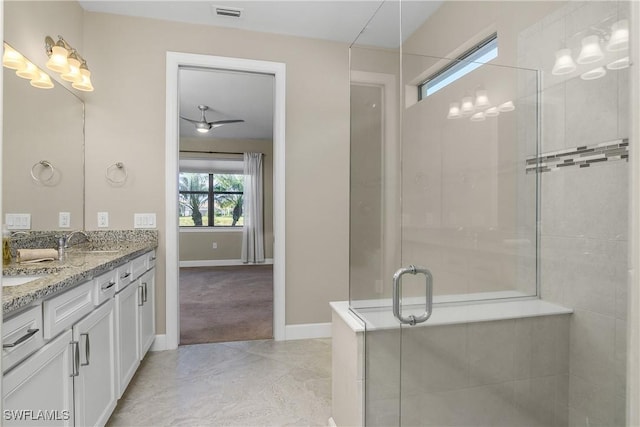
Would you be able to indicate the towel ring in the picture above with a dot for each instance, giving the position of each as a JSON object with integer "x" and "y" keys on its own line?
{"x": 45, "y": 165}
{"x": 111, "y": 171}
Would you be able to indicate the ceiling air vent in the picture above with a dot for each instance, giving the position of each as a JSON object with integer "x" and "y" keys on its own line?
{"x": 227, "y": 11}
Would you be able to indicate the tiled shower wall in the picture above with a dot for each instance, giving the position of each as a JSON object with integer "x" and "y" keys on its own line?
{"x": 584, "y": 210}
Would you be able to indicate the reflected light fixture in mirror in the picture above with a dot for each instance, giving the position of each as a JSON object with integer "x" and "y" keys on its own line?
{"x": 66, "y": 60}
{"x": 25, "y": 69}
{"x": 619, "y": 36}
{"x": 454, "y": 111}
{"x": 564, "y": 63}
{"x": 482, "y": 100}
{"x": 596, "y": 73}
{"x": 591, "y": 51}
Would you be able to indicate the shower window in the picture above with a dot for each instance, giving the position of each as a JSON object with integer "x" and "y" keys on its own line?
{"x": 470, "y": 60}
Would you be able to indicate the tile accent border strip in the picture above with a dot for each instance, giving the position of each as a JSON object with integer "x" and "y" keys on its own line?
{"x": 583, "y": 156}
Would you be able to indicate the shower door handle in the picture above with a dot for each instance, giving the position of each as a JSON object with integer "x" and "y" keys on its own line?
{"x": 397, "y": 294}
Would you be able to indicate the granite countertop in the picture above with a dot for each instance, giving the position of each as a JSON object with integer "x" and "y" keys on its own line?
{"x": 81, "y": 263}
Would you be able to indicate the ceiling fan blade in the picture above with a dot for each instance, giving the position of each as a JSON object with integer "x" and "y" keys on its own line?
{"x": 224, "y": 122}
{"x": 191, "y": 120}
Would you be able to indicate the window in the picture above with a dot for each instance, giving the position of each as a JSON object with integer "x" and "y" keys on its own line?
{"x": 472, "y": 59}
{"x": 211, "y": 199}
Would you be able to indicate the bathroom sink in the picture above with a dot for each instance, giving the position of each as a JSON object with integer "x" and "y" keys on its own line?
{"x": 19, "y": 280}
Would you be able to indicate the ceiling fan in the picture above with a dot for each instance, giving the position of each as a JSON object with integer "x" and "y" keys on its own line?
{"x": 203, "y": 126}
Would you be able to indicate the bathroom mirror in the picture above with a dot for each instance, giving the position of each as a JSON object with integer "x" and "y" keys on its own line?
{"x": 43, "y": 154}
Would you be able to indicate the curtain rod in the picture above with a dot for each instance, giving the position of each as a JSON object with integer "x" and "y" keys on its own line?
{"x": 212, "y": 152}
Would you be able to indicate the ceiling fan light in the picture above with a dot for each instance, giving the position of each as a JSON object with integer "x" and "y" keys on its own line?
{"x": 203, "y": 127}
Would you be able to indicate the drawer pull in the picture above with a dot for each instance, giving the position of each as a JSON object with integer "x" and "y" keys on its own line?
{"x": 144, "y": 292}
{"x": 140, "y": 296}
{"x": 124, "y": 276}
{"x": 29, "y": 334}
{"x": 111, "y": 284}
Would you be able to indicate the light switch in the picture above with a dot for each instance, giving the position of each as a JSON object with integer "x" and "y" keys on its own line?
{"x": 103, "y": 219}
{"x": 144, "y": 220}
{"x": 64, "y": 219}
{"x": 18, "y": 221}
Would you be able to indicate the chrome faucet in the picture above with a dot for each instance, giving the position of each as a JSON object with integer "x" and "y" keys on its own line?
{"x": 68, "y": 237}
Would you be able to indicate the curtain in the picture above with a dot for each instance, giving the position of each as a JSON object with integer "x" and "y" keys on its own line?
{"x": 252, "y": 231}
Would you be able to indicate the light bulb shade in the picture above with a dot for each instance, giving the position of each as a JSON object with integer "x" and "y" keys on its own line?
{"x": 58, "y": 60}
{"x": 29, "y": 71}
{"x": 74, "y": 71}
{"x": 12, "y": 59}
{"x": 454, "y": 111}
{"x": 619, "y": 36}
{"x": 564, "y": 63}
{"x": 618, "y": 64}
{"x": 85, "y": 83}
{"x": 43, "y": 81}
{"x": 596, "y": 73}
{"x": 466, "y": 108}
{"x": 492, "y": 112}
{"x": 506, "y": 107}
{"x": 478, "y": 117}
{"x": 591, "y": 51}
{"x": 482, "y": 100}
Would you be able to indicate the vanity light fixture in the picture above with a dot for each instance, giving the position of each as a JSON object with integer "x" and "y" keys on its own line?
{"x": 467, "y": 107}
{"x": 506, "y": 107}
{"x": 591, "y": 51}
{"x": 66, "y": 60}
{"x": 25, "y": 69}
{"x": 492, "y": 112}
{"x": 478, "y": 117}
{"x": 479, "y": 109}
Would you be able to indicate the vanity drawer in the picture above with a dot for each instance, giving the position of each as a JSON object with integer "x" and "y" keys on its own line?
{"x": 151, "y": 260}
{"x": 125, "y": 276}
{"x": 21, "y": 336}
{"x": 104, "y": 287}
{"x": 138, "y": 266}
{"x": 62, "y": 311}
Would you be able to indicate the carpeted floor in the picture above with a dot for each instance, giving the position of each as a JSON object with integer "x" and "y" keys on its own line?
{"x": 221, "y": 304}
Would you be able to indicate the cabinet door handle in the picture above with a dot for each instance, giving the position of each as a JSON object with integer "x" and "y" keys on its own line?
{"x": 87, "y": 349}
{"x": 144, "y": 293}
{"x": 29, "y": 334}
{"x": 75, "y": 368}
{"x": 111, "y": 284}
{"x": 124, "y": 276}
{"x": 140, "y": 295}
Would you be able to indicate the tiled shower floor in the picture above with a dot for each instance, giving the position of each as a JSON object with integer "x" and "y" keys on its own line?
{"x": 247, "y": 383}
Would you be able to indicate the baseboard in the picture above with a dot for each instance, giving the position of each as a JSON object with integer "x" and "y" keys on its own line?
{"x": 159, "y": 344}
{"x": 307, "y": 331}
{"x": 221, "y": 263}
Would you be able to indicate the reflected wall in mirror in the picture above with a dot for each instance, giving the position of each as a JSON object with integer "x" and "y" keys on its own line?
{"x": 42, "y": 125}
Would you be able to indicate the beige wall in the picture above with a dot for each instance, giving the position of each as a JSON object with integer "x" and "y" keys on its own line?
{"x": 126, "y": 122}
{"x": 197, "y": 245}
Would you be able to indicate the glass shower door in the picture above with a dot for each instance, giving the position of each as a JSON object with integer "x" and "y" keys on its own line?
{"x": 443, "y": 194}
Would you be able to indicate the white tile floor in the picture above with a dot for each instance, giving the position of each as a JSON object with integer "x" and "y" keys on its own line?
{"x": 248, "y": 383}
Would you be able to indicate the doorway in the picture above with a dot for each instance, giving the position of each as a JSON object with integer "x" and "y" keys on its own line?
{"x": 176, "y": 61}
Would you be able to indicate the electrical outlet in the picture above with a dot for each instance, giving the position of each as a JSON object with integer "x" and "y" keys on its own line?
{"x": 214, "y": 245}
{"x": 103, "y": 219}
{"x": 64, "y": 219}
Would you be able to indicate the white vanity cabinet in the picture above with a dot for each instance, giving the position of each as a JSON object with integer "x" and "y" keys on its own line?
{"x": 95, "y": 392}
{"x": 39, "y": 391}
{"x": 70, "y": 358}
{"x": 146, "y": 311}
{"x": 127, "y": 339}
